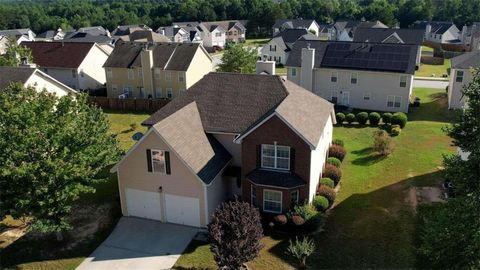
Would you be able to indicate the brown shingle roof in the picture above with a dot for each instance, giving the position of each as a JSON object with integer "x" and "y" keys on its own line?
{"x": 14, "y": 74}
{"x": 169, "y": 56}
{"x": 58, "y": 54}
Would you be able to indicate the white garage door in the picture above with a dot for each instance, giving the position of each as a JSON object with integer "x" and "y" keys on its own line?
{"x": 182, "y": 210}
{"x": 143, "y": 204}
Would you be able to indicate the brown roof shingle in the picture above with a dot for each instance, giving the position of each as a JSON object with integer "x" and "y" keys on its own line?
{"x": 58, "y": 54}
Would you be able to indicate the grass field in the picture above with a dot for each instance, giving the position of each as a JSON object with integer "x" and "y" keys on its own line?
{"x": 256, "y": 42}
{"x": 436, "y": 71}
{"x": 372, "y": 225}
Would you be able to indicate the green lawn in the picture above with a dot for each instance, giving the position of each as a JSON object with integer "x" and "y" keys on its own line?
{"x": 255, "y": 42}
{"x": 427, "y": 49}
{"x": 430, "y": 70}
{"x": 29, "y": 252}
{"x": 281, "y": 71}
{"x": 372, "y": 225}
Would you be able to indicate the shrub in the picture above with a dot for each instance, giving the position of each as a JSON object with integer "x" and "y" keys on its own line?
{"x": 350, "y": 118}
{"x": 321, "y": 203}
{"x": 226, "y": 230}
{"x": 395, "y": 130}
{"x": 298, "y": 220}
{"x": 400, "y": 119}
{"x": 334, "y": 161}
{"x": 133, "y": 126}
{"x": 306, "y": 211}
{"x": 362, "y": 118}
{"x": 333, "y": 173}
{"x": 387, "y": 118}
{"x": 374, "y": 118}
{"x": 382, "y": 143}
{"x": 338, "y": 142}
{"x": 340, "y": 118}
{"x": 327, "y": 182}
{"x": 300, "y": 250}
{"x": 337, "y": 151}
{"x": 328, "y": 193}
{"x": 280, "y": 219}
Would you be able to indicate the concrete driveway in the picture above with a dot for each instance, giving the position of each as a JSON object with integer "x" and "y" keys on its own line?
{"x": 140, "y": 244}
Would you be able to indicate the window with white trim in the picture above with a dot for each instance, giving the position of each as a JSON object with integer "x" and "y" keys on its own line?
{"x": 334, "y": 76}
{"x": 169, "y": 93}
{"x": 273, "y": 48}
{"x": 253, "y": 195}
{"x": 182, "y": 92}
{"x": 181, "y": 77}
{"x": 140, "y": 73}
{"x": 354, "y": 78}
{"x": 272, "y": 201}
{"x": 294, "y": 195}
{"x": 459, "y": 76}
{"x": 157, "y": 73}
{"x": 293, "y": 72}
{"x": 394, "y": 101}
{"x": 130, "y": 74}
{"x": 275, "y": 157}
{"x": 109, "y": 73}
{"x": 168, "y": 75}
{"x": 403, "y": 81}
{"x": 158, "y": 161}
{"x": 367, "y": 96}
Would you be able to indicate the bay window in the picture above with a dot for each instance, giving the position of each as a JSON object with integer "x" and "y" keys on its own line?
{"x": 272, "y": 201}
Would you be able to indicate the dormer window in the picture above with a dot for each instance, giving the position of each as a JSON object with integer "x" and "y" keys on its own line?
{"x": 275, "y": 157}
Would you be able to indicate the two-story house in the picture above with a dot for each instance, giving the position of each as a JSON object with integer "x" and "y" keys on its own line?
{"x": 392, "y": 35}
{"x": 278, "y": 48}
{"x": 253, "y": 136}
{"x": 282, "y": 24}
{"x": 370, "y": 76}
{"x": 155, "y": 70}
{"x": 461, "y": 74}
{"x": 438, "y": 33}
{"x": 470, "y": 36}
{"x": 235, "y": 30}
{"x": 345, "y": 30}
{"x": 76, "y": 64}
{"x": 19, "y": 35}
{"x": 175, "y": 33}
{"x": 211, "y": 34}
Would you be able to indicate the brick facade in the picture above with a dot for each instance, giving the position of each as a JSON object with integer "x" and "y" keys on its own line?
{"x": 275, "y": 130}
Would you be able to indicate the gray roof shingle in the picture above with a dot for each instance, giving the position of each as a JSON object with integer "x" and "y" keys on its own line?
{"x": 467, "y": 60}
{"x": 289, "y": 36}
{"x": 275, "y": 178}
{"x": 380, "y": 35}
{"x": 293, "y": 23}
{"x": 399, "y": 58}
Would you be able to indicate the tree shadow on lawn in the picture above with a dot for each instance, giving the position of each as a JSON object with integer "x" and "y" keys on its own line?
{"x": 435, "y": 110}
{"x": 368, "y": 157}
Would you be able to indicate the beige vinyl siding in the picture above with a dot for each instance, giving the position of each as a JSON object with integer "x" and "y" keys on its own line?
{"x": 455, "y": 100}
{"x": 200, "y": 66}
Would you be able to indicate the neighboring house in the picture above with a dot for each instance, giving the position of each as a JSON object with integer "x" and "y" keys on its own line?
{"x": 470, "y": 36}
{"x": 392, "y": 35}
{"x": 439, "y": 32}
{"x": 345, "y": 30}
{"x": 19, "y": 35}
{"x": 460, "y": 75}
{"x": 278, "y": 48}
{"x": 32, "y": 77}
{"x": 235, "y": 30}
{"x": 3, "y": 44}
{"x": 95, "y": 31}
{"x": 211, "y": 34}
{"x": 253, "y": 136}
{"x": 144, "y": 36}
{"x": 161, "y": 70}
{"x": 370, "y": 76}
{"x": 327, "y": 32}
{"x": 51, "y": 35}
{"x": 175, "y": 33}
{"x": 76, "y": 64}
{"x": 87, "y": 37}
{"x": 125, "y": 30}
{"x": 311, "y": 25}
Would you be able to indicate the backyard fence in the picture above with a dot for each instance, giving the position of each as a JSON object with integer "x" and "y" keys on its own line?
{"x": 128, "y": 104}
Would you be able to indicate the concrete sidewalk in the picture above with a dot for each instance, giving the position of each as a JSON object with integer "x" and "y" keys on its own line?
{"x": 140, "y": 244}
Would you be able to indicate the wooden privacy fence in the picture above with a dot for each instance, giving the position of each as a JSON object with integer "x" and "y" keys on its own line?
{"x": 128, "y": 104}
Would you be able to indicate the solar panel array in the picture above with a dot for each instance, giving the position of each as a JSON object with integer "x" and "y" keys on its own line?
{"x": 367, "y": 56}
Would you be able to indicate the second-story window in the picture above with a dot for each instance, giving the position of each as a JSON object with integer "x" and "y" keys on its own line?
{"x": 273, "y": 48}
{"x": 354, "y": 78}
{"x": 74, "y": 73}
{"x": 109, "y": 73}
{"x": 275, "y": 157}
{"x": 157, "y": 73}
{"x": 403, "y": 81}
{"x": 140, "y": 73}
{"x": 334, "y": 77}
{"x": 181, "y": 77}
{"x": 168, "y": 76}
{"x": 130, "y": 74}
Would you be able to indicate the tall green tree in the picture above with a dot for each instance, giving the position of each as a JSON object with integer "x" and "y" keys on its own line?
{"x": 239, "y": 59}
{"x": 450, "y": 235}
{"x": 14, "y": 54}
{"x": 52, "y": 151}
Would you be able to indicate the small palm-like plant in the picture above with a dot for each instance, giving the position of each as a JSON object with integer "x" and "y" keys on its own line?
{"x": 300, "y": 250}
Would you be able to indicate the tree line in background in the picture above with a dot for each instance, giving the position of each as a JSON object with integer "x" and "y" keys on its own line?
{"x": 47, "y": 15}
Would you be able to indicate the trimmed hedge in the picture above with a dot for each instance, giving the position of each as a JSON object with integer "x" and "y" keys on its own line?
{"x": 350, "y": 118}
{"x": 400, "y": 119}
{"x": 387, "y": 118}
{"x": 338, "y": 142}
{"x": 337, "y": 151}
{"x": 328, "y": 193}
{"x": 340, "y": 118}
{"x": 395, "y": 130}
{"x": 333, "y": 173}
{"x": 321, "y": 203}
{"x": 362, "y": 118}
{"x": 374, "y": 118}
{"x": 298, "y": 220}
{"x": 280, "y": 219}
{"x": 327, "y": 182}
{"x": 334, "y": 161}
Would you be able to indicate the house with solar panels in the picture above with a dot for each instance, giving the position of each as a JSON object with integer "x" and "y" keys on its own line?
{"x": 370, "y": 76}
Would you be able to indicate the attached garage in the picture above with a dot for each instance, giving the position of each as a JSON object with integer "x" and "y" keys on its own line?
{"x": 182, "y": 210}
{"x": 143, "y": 204}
